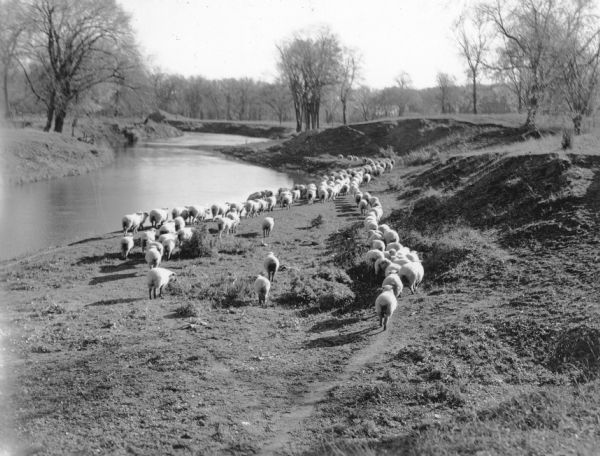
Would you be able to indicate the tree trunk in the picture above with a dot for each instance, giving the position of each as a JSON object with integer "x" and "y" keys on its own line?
{"x": 531, "y": 113}
{"x": 49, "y": 113}
{"x": 344, "y": 112}
{"x": 577, "y": 119}
{"x": 59, "y": 120}
{"x": 474, "y": 94}
{"x": 7, "y": 111}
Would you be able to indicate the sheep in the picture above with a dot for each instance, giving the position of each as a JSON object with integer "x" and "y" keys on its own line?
{"x": 184, "y": 235}
{"x": 133, "y": 222}
{"x": 181, "y": 211}
{"x": 156, "y": 245}
{"x": 267, "y": 226}
{"x": 224, "y": 225}
{"x": 167, "y": 236}
{"x": 157, "y": 278}
{"x": 158, "y": 217}
{"x": 372, "y": 256}
{"x": 146, "y": 236}
{"x": 381, "y": 265}
{"x": 179, "y": 222}
{"x": 271, "y": 266}
{"x": 413, "y": 273}
{"x": 385, "y": 305}
{"x": 168, "y": 227}
{"x": 154, "y": 257}
{"x": 413, "y": 256}
{"x": 377, "y": 244}
{"x": 395, "y": 282}
{"x": 169, "y": 245}
{"x": 363, "y": 205}
{"x": 393, "y": 246}
{"x": 262, "y": 285}
{"x": 126, "y": 245}
{"x": 196, "y": 213}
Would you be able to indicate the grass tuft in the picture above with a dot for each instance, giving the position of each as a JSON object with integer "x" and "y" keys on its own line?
{"x": 578, "y": 349}
{"x": 186, "y": 310}
{"x": 200, "y": 245}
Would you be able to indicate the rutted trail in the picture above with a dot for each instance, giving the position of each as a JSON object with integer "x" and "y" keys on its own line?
{"x": 282, "y": 442}
{"x": 305, "y": 406}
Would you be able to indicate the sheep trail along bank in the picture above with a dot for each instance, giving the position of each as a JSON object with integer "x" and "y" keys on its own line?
{"x": 496, "y": 353}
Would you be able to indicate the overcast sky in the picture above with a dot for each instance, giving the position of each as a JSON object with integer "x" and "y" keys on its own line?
{"x": 236, "y": 38}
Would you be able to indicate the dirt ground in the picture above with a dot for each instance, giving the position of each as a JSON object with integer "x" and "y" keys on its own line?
{"x": 497, "y": 353}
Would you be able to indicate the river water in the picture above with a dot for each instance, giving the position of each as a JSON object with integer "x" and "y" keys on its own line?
{"x": 166, "y": 173}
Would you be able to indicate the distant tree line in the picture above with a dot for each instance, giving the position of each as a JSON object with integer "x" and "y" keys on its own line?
{"x": 79, "y": 57}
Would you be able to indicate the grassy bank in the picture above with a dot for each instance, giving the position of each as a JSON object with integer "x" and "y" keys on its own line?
{"x": 496, "y": 354}
{"x": 29, "y": 154}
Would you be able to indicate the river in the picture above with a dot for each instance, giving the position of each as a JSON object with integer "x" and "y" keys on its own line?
{"x": 166, "y": 173}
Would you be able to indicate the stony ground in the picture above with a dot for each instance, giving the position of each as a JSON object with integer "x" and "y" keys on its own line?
{"x": 496, "y": 354}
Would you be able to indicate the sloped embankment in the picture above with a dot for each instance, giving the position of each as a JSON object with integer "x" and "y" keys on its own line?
{"x": 499, "y": 351}
{"x": 315, "y": 151}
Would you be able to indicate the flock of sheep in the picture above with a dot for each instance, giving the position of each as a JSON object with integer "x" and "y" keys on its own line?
{"x": 387, "y": 256}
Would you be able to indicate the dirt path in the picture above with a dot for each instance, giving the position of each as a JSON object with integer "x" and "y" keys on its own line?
{"x": 282, "y": 442}
{"x": 305, "y": 406}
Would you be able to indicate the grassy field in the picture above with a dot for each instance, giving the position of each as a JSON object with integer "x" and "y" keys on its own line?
{"x": 497, "y": 353}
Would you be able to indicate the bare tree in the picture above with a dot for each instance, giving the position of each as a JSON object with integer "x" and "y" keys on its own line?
{"x": 578, "y": 55}
{"x": 403, "y": 84}
{"x": 445, "y": 84}
{"x": 529, "y": 31}
{"x": 309, "y": 65}
{"x": 473, "y": 38}
{"x": 13, "y": 33}
{"x": 349, "y": 73}
{"x": 277, "y": 97}
{"x": 77, "y": 45}
{"x": 365, "y": 102}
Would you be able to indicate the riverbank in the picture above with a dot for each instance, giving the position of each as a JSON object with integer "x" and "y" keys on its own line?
{"x": 257, "y": 129}
{"x": 30, "y": 155}
{"x": 497, "y": 353}
{"x": 317, "y": 151}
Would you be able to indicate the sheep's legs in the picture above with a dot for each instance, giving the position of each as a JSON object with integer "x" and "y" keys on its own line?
{"x": 159, "y": 292}
{"x": 150, "y": 293}
{"x": 385, "y": 320}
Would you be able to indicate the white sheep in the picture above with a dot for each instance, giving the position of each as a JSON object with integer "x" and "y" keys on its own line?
{"x": 154, "y": 256}
{"x": 185, "y": 234}
{"x": 146, "y": 236}
{"x": 413, "y": 273}
{"x": 169, "y": 246}
{"x": 267, "y": 226}
{"x": 126, "y": 245}
{"x": 168, "y": 227}
{"x": 158, "y": 217}
{"x": 157, "y": 278}
{"x": 133, "y": 222}
{"x": 179, "y": 222}
{"x": 385, "y": 305}
{"x": 395, "y": 282}
{"x": 262, "y": 285}
{"x": 271, "y": 265}
{"x": 377, "y": 244}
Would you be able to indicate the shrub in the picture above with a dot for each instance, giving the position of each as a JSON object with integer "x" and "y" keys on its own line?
{"x": 235, "y": 246}
{"x": 200, "y": 245}
{"x": 578, "y": 348}
{"x": 317, "y": 221}
{"x": 419, "y": 157}
{"x": 318, "y": 292}
{"x": 186, "y": 310}
{"x": 567, "y": 139}
{"x": 333, "y": 274}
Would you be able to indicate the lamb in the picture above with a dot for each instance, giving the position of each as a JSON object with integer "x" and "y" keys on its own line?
{"x": 157, "y": 278}
{"x": 126, "y": 245}
{"x": 167, "y": 227}
{"x": 395, "y": 282}
{"x": 224, "y": 225}
{"x": 154, "y": 257}
{"x": 413, "y": 273}
{"x": 262, "y": 285}
{"x": 271, "y": 266}
{"x": 385, "y": 305}
{"x": 133, "y": 222}
{"x": 156, "y": 245}
{"x": 267, "y": 226}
